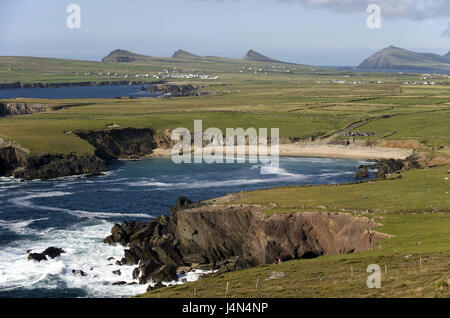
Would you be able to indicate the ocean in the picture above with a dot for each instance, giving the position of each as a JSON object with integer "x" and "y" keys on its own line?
{"x": 76, "y": 213}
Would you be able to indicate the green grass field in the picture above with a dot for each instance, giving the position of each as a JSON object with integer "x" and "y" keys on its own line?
{"x": 415, "y": 262}
{"x": 299, "y": 110}
{"x": 302, "y": 103}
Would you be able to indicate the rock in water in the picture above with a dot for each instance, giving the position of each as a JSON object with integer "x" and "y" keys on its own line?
{"x": 119, "y": 283}
{"x": 37, "y": 257}
{"x": 362, "y": 173}
{"x": 53, "y": 252}
{"x": 79, "y": 272}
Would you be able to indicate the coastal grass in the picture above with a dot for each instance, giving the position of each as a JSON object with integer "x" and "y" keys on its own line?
{"x": 299, "y": 110}
{"x": 414, "y": 191}
{"x": 414, "y": 261}
{"x": 53, "y": 70}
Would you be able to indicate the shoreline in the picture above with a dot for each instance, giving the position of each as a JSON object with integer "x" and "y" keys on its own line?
{"x": 322, "y": 151}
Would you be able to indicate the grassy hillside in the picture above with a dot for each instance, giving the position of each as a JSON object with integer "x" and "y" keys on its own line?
{"x": 415, "y": 262}
{"x": 397, "y": 58}
{"x": 299, "y": 110}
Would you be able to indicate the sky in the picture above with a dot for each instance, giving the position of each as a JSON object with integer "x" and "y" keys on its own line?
{"x": 315, "y": 32}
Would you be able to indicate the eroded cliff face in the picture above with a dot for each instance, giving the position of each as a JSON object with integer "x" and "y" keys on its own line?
{"x": 18, "y": 163}
{"x": 126, "y": 143}
{"x": 109, "y": 145}
{"x": 233, "y": 237}
{"x": 177, "y": 90}
{"x": 14, "y": 109}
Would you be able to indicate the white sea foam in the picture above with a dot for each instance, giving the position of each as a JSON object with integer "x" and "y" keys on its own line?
{"x": 19, "y": 226}
{"x": 208, "y": 184}
{"x": 26, "y": 201}
{"x": 84, "y": 251}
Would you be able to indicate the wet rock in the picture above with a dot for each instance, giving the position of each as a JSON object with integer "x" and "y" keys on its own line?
{"x": 53, "y": 252}
{"x": 156, "y": 286}
{"x": 117, "y": 272}
{"x": 136, "y": 273}
{"x": 78, "y": 272}
{"x": 183, "y": 269}
{"x": 130, "y": 258}
{"x": 37, "y": 257}
{"x": 165, "y": 273}
{"x": 146, "y": 269}
{"x": 362, "y": 172}
{"x": 119, "y": 283}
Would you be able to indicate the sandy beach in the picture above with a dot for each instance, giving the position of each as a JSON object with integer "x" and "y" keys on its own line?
{"x": 321, "y": 151}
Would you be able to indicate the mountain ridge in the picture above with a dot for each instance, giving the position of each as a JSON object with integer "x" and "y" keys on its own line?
{"x": 258, "y": 57}
{"x": 397, "y": 58}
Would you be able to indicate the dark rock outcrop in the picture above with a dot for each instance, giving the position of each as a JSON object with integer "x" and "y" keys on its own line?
{"x": 78, "y": 272}
{"x": 19, "y": 163}
{"x": 386, "y": 167}
{"x": 51, "y": 252}
{"x": 362, "y": 172}
{"x": 176, "y": 90}
{"x": 156, "y": 286}
{"x": 71, "y": 84}
{"x": 119, "y": 283}
{"x": 121, "y": 143}
{"x": 14, "y": 109}
{"x": 233, "y": 237}
{"x": 37, "y": 257}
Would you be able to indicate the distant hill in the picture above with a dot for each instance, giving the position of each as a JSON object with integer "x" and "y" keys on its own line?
{"x": 394, "y": 58}
{"x": 122, "y": 56}
{"x": 181, "y": 54}
{"x": 258, "y": 57}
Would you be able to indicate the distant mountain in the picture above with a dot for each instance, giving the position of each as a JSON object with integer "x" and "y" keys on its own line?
{"x": 181, "y": 54}
{"x": 258, "y": 57}
{"x": 122, "y": 56}
{"x": 394, "y": 58}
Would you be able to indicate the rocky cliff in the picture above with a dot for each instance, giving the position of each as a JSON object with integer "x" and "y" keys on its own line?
{"x": 121, "y": 143}
{"x": 70, "y": 84}
{"x": 233, "y": 237}
{"x": 13, "y": 109}
{"x": 18, "y": 163}
{"x": 177, "y": 90}
{"x": 110, "y": 144}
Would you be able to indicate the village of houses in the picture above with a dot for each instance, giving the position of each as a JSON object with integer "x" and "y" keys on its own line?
{"x": 165, "y": 74}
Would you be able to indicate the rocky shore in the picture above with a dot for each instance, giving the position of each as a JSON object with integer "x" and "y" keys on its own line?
{"x": 15, "y": 109}
{"x": 177, "y": 90}
{"x": 109, "y": 144}
{"x": 70, "y": 84}
{"x": 222, "y": 238}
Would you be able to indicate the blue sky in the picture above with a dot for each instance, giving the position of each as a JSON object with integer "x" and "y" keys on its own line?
{"x": 319, "y": 32}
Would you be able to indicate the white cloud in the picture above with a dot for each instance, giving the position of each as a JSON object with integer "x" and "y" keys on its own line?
{"x": 392, "y": 9}
{"x": 446, "y": 32}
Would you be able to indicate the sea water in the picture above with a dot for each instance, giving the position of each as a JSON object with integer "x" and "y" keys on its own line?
{"x": 77, "y": 213}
